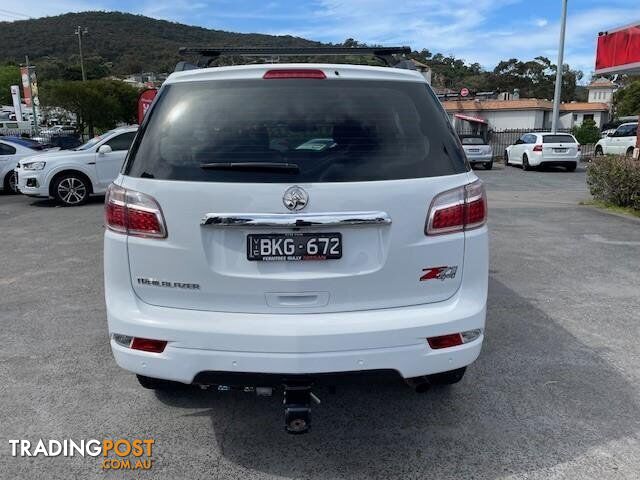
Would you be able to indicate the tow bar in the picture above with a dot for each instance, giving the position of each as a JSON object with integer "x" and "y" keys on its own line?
{"x": 297, "y": 406}
{"x": 297, "y": 398}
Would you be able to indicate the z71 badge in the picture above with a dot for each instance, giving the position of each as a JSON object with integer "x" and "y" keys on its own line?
{"x": 438, "y": 273}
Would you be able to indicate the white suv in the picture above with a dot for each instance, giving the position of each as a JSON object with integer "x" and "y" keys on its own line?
{"x": 621, "y": 142}
{"x": 238, "y": 252}
{"x": 71, "y": 176}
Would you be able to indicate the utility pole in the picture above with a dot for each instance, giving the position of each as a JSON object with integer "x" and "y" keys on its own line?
{"x": 80, "y": 31}
{"x": 558, "y": 89}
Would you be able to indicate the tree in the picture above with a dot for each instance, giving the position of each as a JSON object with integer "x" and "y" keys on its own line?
{"x": 97, "y": 103}
{"x": 51, "y": 68}
{"x": 9, "y": 75}
{"x": 535, "y": 78}
{"x": 627, "y": 99}
{"x": 587, "y": 132}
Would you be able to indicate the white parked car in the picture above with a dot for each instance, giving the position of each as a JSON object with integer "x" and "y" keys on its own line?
{"x": 544, "y": 149}
{"x": 229, "y": 262}
{"x": 478, "y": 150}
{"x": 12, "y": 150}
{"x": 71, "y": 176}
{"x": 621, "y": 142}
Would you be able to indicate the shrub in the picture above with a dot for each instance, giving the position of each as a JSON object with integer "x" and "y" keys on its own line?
{"x": 587, "y": 132}
{"x": 615, "y": 180}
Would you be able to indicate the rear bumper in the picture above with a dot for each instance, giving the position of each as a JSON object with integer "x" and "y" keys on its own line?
{"x": 183, "y": 364}
{"x": 303, "y": 343}
{"x": 539, "y": 160}
{"x": 480, "y": 158}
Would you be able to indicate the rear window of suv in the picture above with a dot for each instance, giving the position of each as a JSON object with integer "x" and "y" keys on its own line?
{"x": 322, "y": 130}
{"x": 558, "y": 139}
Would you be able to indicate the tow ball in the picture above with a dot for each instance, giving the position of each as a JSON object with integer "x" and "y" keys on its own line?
{"x": 297, "y": 406}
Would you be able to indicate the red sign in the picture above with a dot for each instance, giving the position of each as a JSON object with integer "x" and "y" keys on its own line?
{"x": 145, "y": 99}
{"x": 464, "y": 92}
{"x": 618, "y": 51}
{"x": 26, "y": 88}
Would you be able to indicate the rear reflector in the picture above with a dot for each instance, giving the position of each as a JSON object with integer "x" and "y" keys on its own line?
{"x": 537, "y": 148}
{"x": 445, "y": 341}
{"x": 147, "y": 345}
{"x": 133, "y": 213}
{"x": 294, "y": 73}
{"x": 454, "y": 339}
{"x": 463, "y": 208}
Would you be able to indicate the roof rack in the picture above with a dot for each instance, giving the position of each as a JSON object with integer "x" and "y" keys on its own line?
{"x": 209, "y": 54}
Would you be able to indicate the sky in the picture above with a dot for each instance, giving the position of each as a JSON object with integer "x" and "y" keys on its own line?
{"x": 483, "y": 31}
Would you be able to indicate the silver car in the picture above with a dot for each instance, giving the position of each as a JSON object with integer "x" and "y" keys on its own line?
{"x": 478, "y": 151}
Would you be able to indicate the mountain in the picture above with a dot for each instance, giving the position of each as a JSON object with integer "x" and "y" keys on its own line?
{"x": 121, "y": 43}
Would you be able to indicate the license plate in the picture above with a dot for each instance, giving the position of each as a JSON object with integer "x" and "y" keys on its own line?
{"x": 293, "y": 247}
{"x": 474, "y": 150}
{"x": 560, "y": 150}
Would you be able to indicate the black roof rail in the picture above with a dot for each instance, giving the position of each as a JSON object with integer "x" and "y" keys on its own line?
{"x": 209, "y": 54}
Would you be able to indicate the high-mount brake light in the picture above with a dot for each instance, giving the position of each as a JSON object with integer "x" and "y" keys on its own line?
{"x": 133, "y": 213}
{"x": 462, "y": 208}
{"x": 294, "y": 73}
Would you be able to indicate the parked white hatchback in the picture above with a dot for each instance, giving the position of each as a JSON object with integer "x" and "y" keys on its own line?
{"x": 538, "y": 149}
{"x": 71, "y": 176}
{"x": 620, "y": 142}
{"x": 233, "y": 263}
{"x": 12, "y": 150}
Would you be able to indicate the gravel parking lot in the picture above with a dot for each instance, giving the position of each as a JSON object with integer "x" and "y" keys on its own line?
{"x": 555, "y": 393}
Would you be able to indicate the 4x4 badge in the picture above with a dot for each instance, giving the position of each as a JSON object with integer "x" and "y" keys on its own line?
{"x": 295, "y": 198}
{"x": 438, "y": 273}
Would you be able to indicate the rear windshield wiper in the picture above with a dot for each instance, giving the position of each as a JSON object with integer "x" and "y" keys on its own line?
{"x": 266, "y": 166}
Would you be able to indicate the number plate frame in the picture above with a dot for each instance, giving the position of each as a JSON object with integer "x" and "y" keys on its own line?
{"x": 301, "y": 246}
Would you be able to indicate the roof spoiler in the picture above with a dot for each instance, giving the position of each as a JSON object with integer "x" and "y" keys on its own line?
{"x": 208, "y": 54}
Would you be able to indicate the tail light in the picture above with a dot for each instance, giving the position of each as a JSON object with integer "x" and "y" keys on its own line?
{"x": 463, "y": 208}
{"x": 294, "y": 73}
{"x": 537, "y": 148}
{"x": 133, "y": 213}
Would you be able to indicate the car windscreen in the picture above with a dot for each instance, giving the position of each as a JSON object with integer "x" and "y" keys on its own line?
{"x": 558, "y": 139}
{"x": 321, "y": 130}
{"x": 94, "y": 141}
{"x": 472, "y": 141}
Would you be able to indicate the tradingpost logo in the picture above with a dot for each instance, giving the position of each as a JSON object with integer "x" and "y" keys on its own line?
{"x": 115, "y": 454}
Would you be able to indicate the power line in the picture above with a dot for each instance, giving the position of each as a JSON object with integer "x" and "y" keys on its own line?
{"x": 6, "y": 13}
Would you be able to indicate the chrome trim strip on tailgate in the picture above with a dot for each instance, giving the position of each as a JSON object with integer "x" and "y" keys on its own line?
{"x": 293, "y": 220}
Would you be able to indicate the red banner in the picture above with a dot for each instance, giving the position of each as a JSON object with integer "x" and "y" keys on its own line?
{"x": 26, "y": 86}
{"x": 619, "y": 51}
{"x": 144, "y": 102}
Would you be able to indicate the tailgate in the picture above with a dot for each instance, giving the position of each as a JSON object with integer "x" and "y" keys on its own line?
{"x": 381, "y": 263}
